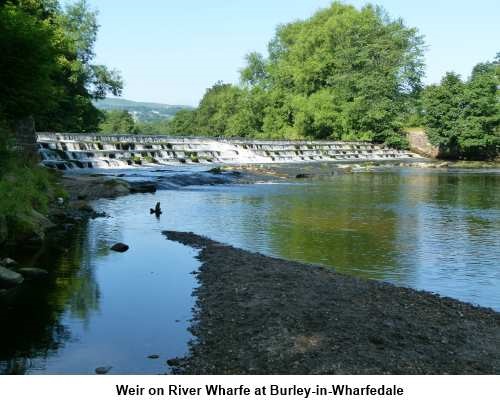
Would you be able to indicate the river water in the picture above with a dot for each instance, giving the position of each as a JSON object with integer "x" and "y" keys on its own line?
{"x": 433, "y": 230}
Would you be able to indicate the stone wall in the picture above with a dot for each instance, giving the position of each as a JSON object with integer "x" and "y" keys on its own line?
{"x": 26, "y": 138}
{"x": 419, "y": 143}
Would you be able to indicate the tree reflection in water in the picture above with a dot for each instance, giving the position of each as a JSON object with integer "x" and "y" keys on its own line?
{"x": 31, "y": 317}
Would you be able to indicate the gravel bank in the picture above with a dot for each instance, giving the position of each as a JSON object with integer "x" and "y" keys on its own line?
{"x": 260, "y": 315}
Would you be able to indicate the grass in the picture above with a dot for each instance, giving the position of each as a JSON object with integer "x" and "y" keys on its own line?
{"x": 25, "y": 188}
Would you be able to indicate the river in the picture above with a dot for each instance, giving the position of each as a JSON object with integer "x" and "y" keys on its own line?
{"x": 433, "y": 230}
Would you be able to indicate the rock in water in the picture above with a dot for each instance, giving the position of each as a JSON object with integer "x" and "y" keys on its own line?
{"x": 119, "y": 247}
{"x": 153, "y": 356}
{"x": 142, "y": 187}
{"x": 103, "y": 370}
{"x": 9, "y": 278}
{"x": 32, "y": 272}
{"x": 303, "y": 176}
{"x": 7, "y": 262}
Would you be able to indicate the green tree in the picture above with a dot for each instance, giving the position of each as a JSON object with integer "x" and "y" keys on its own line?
{"x": 79, "y": 81}
{"x": 26, "y": 64}
{"x": 217, "y": 106}
{"x": 46, "y": 71}
{"x": 46, "y": 68}
{"x": 360, "y": 62}
{"x": 255, "y": 71}
{"x": 443, "y": 105}
{"x": 479, "y": 123}
{"x": 463, "y": 118}
{"x": 344, "y": 73}
{"x": 118, "y": 122}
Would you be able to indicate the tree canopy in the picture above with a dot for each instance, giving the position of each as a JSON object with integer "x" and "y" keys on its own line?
{"x": 344, "y": 73}
{"x": 47, "y": 69}
{"x": 463, "y": 118}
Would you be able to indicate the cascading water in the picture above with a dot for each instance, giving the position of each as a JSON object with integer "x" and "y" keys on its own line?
{"x": 65, "y": 151}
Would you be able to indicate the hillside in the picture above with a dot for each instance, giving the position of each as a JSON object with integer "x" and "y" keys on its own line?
{"x": 142, "y": 111}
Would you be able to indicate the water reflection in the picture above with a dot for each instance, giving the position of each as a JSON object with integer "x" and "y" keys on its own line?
{"x": 32, "y": 322}
{"x": 99, "y": 307}
{"x": 428, "y": 230}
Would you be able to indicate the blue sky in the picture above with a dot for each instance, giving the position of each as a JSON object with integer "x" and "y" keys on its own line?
{"x": 171, "y": 51}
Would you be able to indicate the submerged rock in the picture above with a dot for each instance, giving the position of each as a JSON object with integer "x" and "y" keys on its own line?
{"x": 215, "y": 170}
{"x": 32, "y": 272}
{"x": 142, "y": 187}
{"x": 120, "y": 247}
{"x": 9, "y": 278}
{"x": 94, "y": 187}
{"x": 103, "y": 370}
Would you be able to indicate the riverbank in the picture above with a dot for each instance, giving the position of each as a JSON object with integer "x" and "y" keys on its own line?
{"x": 260, "y": 315}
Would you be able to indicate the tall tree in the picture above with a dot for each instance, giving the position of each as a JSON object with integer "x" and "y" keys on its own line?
{"x": 443, "y": 105}
{"x": 464, "y": 117}
{"x": 361, "y": 63}
{"x": 344, "y": 73}
{"x": 47, "y": 68}
{"x": 80, "y": 81}
{"x": 27, "y": 64}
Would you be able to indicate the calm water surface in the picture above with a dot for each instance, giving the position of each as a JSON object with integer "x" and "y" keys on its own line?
{"x": 431, "y": 230}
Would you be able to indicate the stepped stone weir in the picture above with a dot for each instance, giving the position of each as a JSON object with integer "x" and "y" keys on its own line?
{"x": 71, "y": 151}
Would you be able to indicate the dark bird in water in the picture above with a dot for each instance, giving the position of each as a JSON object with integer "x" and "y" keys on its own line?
{"x": 156, "y": 210}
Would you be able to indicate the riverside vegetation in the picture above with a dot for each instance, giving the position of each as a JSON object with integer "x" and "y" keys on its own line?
{"x": 47, "y": 73}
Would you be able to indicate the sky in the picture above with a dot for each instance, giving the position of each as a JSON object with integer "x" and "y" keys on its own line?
{"x": 171, "y": 51}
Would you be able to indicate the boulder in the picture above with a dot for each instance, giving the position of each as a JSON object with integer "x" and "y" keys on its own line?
{"x": 119, "y": 247}
{"x": 9, "y": 278}
{"x": 7, "y": 262}
{"x": 33, "y": 225}
{"x": 103, "y": 370}
{"x": 32, "y": 272}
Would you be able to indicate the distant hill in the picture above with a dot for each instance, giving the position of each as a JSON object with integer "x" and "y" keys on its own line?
{"x": 142, "y": 112}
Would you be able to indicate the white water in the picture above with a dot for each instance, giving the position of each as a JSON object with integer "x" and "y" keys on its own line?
{"x": 111, "y": 151}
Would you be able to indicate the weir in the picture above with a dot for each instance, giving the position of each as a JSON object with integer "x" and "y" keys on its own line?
{"x": 72, "y": 151}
